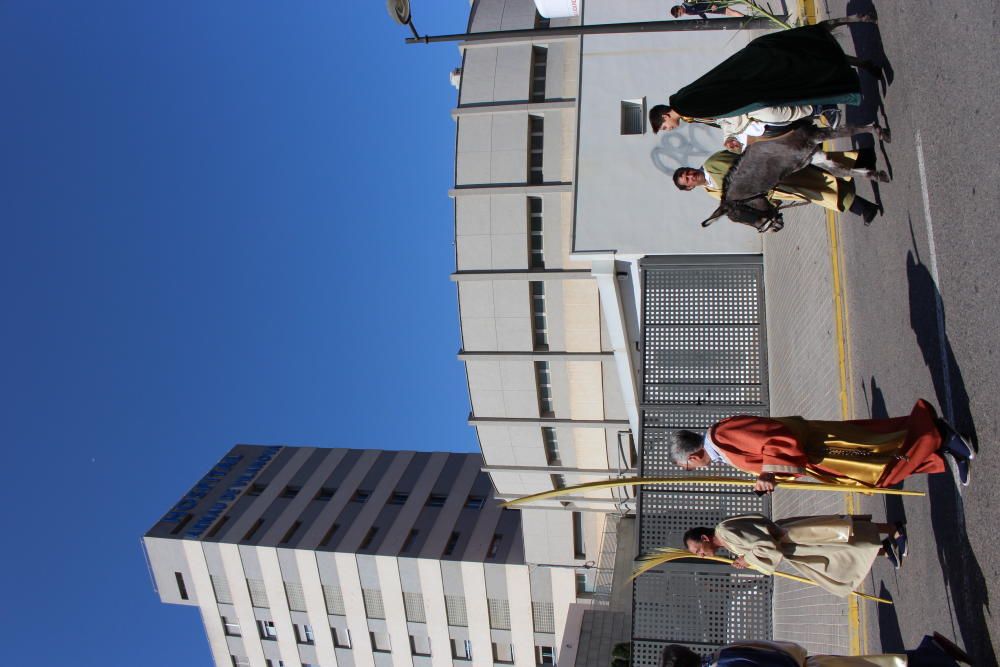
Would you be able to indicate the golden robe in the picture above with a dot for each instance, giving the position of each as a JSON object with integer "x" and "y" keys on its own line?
{"x": 803, "y": 659}
{"x": 810, "y": 184}
{"x": 835, "y": 552}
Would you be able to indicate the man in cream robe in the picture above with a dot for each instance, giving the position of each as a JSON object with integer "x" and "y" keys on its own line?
{"x": 934, "y": 651}
{"x": 835, "y": 552}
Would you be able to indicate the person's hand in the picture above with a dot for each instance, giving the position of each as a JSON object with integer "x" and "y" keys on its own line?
{"x": 740, "y": 563}
{"x": 733, "y": 144}
{"x": 765, "y": 483}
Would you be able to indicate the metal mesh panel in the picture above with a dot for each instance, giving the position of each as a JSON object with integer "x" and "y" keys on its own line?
{"x": 686, "y": 605}
{"x": 704, "y": 359}
{"x": 221, "y": 588}
{"x": 413, "y": 603}
{"x": 334, "y": 600}
{"x": 258, "y": 594}
{"x": 499, "y": 614}
{"x": 296, "y": 597}
{"x": 455, "y": 608}
{"x": 544, "y": 616}
{"x": 373, "y": 603}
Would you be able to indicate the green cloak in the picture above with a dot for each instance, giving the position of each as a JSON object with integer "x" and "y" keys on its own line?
{"x": 791, "y": 67}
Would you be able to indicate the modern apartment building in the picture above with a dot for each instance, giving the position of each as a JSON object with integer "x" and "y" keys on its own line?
{"x": 308, "y": 557}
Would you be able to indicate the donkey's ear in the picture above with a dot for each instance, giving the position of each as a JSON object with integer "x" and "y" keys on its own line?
{"x": 716, "y": 214}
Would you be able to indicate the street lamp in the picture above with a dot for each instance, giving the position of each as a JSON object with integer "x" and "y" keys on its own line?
{"x": 399, "y": 10}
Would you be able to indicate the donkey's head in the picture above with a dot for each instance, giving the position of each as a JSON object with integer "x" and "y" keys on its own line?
{"x": 757, "y": 212}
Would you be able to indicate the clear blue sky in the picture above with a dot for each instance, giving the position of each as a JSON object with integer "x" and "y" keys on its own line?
{"x": 223, "y": 221}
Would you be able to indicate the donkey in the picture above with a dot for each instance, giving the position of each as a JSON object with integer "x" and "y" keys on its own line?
{"x": 765, "y": 163}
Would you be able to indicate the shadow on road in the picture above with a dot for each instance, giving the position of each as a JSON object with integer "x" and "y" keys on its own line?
{"x": 961, "y": 570}
{"x": 890, "y": 634}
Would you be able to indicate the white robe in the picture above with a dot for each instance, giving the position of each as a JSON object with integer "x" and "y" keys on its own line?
{"x": 835, "y": 552}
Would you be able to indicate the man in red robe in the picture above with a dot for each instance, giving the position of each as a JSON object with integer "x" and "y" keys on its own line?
{"x": 860, "y": 453}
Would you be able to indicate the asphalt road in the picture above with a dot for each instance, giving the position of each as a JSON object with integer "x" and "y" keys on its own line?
{"x": 923, "y": 303}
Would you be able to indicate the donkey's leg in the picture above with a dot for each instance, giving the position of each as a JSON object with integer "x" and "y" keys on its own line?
{"x": 828, "y": 134}
{"x": 820, "y": 160}
{"x": 830, "y": 24}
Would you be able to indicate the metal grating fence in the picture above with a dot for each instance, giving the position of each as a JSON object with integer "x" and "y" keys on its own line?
{"x": 703, "y": 359}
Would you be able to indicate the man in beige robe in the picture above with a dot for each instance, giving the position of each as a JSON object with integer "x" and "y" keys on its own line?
{"x": 835, "y": 552}
{"x": 811, "y": 184}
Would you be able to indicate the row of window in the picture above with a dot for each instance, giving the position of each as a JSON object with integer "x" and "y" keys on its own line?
{"x": 413, "y": 603}
{"x": 461, "y": 649}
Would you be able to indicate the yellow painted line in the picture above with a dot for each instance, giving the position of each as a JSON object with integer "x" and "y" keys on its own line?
{"x": 856, "y": 628}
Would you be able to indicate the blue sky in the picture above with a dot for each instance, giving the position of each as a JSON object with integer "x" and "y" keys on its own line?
{"x": 222, "y": 222}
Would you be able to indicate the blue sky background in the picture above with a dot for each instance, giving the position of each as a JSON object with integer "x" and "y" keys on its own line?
{"x": 223, "y": 221}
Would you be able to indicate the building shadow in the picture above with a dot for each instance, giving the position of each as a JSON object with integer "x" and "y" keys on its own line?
{"x": 969, "y": 596}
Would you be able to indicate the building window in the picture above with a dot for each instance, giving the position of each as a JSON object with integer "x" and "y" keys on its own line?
{"x": 461, "y": 649}
{"x": 181, "y": 587}
{"x": 539, "y": 323}
{"x": 582, "y": 584}
{"x": 182, "y": 523}
{"x": 539, "y": 59}
{"x": 361, "y": 496}
{"x": 544, "y": 655}
{"x": 369, "y": 536}
{"x": 231, "y": 628}
{"x": 291, "y": 491}
{"x": 454, "y": 607}
{"x": 634, "y": 116}
{"x": 373, "y": 603}
{"x": 240, "y": 661}
{"x": 536, "y": 243}
{"x": 579, "y": 548}
{"x": 436, "y": 500}
{"x": 258, "y": 594}
{"x": 408, "y": 542}
{"x": 543, "y": 377}
{"x": 420, "y": 645}
{"x": 329, "y": 535}
{"x": 398, "y": 498}
{"x": 341, "y": 637}
{"x": 494, "y": 546}
{"x": 290, "y": 533}
{"x": 253, "y": 529}
{"x": 475, "y": 502}
{"x": 449, "y": 548}
{"x": 499, "y": 614}
{"x": 304, "y": 634}
{"x": 296, "y": 596}
{"x": 551, "y": 446}
{"x": 558, "y": 481}
{"x": 543, "y": 617}
{"x": 221, "y": 589}
{"x": 334, "y": 600}
{"x": 380, "y": 642}
{"x": 413, "y": 603}
{"x": 325, "y": 494}
{"x": 256, "y": 489}
{"x": 536, "y": 137}
{"x": 218, "y": 526}
{"x": 503, "y": 653}
{"x": 541, "y": 22}
{"x": 267, "y": 630}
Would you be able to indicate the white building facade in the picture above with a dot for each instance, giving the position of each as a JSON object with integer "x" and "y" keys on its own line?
{"x": 306, "y": 557}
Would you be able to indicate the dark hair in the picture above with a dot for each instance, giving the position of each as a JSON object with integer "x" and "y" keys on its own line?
{"x": 683, "y": 443}
{"x": 656, "y": 116}
{"x": 675, "y": 655}
{"x": 676, "y": 11}
{"x": 695, "y": 534}
{"x": 678, "y": 172}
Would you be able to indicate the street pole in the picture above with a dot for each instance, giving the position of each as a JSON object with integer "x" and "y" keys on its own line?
{"x": 730, "y": 23}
